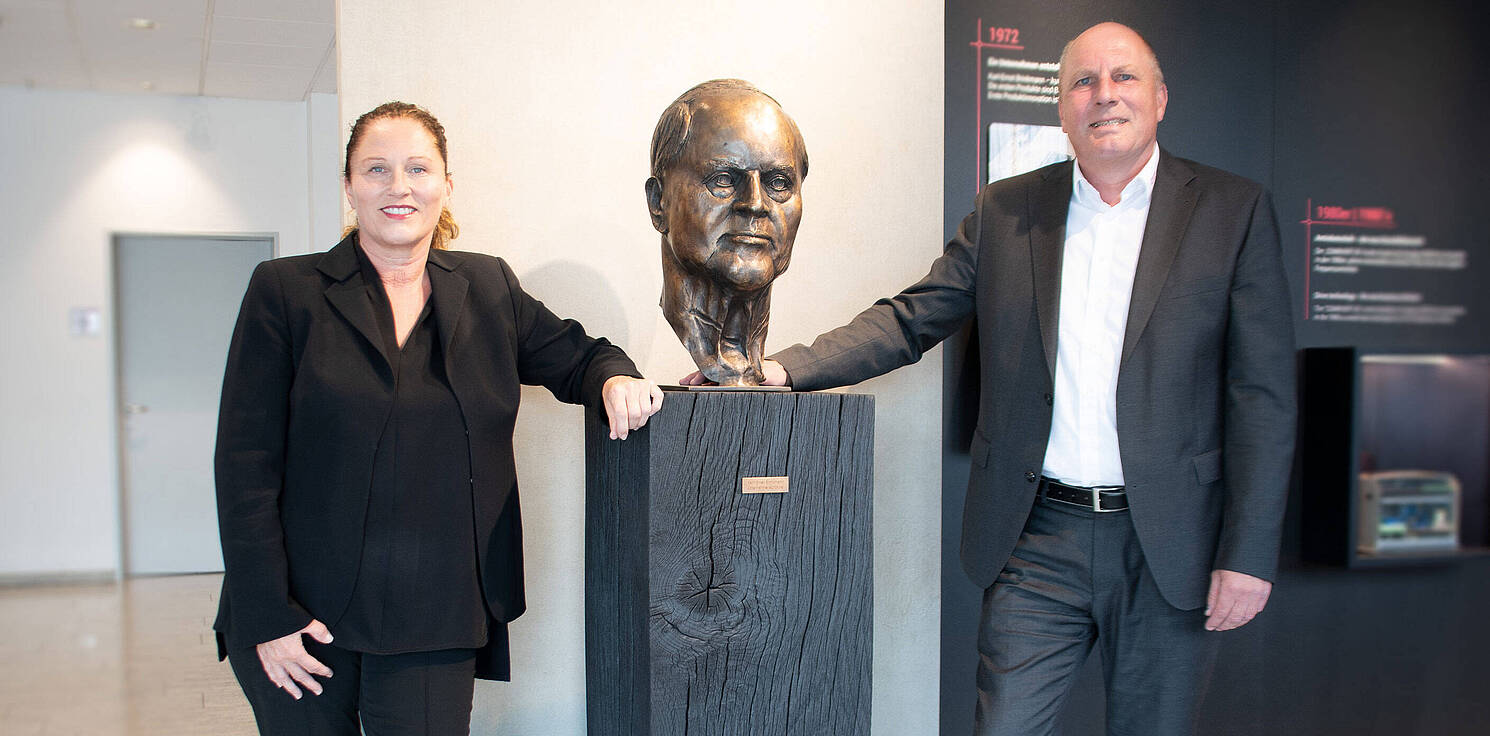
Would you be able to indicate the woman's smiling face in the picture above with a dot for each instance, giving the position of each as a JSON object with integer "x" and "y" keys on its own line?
{"x": 397, "y": 184}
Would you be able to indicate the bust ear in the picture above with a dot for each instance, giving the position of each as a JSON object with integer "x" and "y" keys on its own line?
{"x": 654, "y": 204}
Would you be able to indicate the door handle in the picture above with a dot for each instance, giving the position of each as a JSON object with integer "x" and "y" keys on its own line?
{"x": 133, "y": 408}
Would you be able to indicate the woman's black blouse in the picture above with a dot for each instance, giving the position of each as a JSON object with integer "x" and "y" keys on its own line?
{"x": 417, "y": 585}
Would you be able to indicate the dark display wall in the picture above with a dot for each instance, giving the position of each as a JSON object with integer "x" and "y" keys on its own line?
{"x": 1365, "y": 120}
{"x": 1377, "y": 128}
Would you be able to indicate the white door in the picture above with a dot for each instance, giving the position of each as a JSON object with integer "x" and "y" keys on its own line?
{"x": 177, "y": 300}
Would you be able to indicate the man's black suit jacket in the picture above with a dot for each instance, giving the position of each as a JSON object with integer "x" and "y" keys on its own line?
{"x": 307, "y": 389}
{"x": 1205, "y": 395}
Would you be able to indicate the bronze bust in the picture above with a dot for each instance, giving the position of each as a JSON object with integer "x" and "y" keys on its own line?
{"x": 725, "y": 192}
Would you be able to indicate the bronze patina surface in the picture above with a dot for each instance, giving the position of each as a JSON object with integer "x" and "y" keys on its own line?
{"x": 725, "y": 193}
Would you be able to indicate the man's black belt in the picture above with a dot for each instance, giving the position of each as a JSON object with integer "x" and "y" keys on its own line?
{"x": 1096, "y": 498}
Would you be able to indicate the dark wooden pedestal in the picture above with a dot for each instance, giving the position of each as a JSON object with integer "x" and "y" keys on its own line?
{"x": 709, "y": 610}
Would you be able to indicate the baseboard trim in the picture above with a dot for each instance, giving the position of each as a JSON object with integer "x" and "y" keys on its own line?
{"x": 56, "y": 577}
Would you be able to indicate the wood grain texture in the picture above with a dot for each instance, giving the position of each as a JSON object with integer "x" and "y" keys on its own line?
{"x": 710, "y": 611}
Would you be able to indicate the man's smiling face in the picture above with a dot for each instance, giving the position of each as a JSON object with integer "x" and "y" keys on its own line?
{"x": 1112, "y": 97}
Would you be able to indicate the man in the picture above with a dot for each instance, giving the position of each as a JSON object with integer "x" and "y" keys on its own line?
{"x": 725, "y": 192}
{"x": 1136, "y": 419}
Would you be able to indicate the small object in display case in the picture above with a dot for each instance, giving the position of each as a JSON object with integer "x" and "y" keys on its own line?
{"x": 1408, "y": 511}
{"x": 1394, "y": 453}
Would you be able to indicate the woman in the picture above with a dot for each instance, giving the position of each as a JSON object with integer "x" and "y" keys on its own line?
{"x": 366, "y": 489}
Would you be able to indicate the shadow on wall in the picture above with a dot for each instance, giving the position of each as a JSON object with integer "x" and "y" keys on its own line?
{"x": 577, "y": 291}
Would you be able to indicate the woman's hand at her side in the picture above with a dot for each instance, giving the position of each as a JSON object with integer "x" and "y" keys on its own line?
{"x": 286, "y": 661}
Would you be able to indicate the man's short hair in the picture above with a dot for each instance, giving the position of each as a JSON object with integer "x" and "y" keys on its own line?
{"x": 673, "y": 127}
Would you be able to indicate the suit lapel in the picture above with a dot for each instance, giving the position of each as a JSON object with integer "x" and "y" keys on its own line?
{"x": 449, "y": 289}
{"x": 1049, "y": 199}
{"x": 348, "y": 296}
{"x": 1171, "y": 204}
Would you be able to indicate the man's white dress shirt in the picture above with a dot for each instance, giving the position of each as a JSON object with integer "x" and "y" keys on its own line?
{"x": 1097, "y": 268}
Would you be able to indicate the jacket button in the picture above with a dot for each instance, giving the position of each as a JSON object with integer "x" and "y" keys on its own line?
{"x": 473, "y": 481}
{"x": 1031, "y": 476}
{"x": 1049, "y": 400}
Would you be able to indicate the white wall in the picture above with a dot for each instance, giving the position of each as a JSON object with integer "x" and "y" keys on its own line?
{"x": 326, "y": 198}
{"x": 77, "y": 168}
{"x": 549, "y": 109}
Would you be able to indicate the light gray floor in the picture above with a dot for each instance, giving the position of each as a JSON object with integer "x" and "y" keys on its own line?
{"x": 116, "y": 659}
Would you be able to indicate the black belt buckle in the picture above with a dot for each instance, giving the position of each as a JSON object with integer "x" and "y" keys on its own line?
{"x": 1100, "y": 499}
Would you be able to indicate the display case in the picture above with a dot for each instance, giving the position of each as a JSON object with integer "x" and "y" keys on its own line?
{"x": 1395, "y": 451}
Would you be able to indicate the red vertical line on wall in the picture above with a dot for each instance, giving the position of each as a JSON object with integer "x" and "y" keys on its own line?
{"x": 1273, "y": 150}
{"x": 1308, "y": 249}
{"x": 978, "y": 106}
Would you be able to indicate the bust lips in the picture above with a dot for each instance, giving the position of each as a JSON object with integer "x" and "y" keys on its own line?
{"x": 751, "y": 240}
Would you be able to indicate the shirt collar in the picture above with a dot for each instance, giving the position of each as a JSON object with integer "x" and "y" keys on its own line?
{"x": 1135, "y": 193}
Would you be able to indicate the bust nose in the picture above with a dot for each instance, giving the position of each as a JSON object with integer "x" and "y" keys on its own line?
{"x": 750, "y": 198}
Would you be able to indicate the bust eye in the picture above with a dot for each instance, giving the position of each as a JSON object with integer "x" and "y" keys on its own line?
{"x": 779, "y": 183}
{"x": 722, "y": 180}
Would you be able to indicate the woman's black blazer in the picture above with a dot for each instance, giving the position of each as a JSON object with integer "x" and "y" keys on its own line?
{"x": 307, "y": 391}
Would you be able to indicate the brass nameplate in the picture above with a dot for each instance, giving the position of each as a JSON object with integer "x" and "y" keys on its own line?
{"x": 764, "y": 484}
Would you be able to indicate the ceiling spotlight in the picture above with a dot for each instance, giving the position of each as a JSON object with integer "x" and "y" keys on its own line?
{"x": 147, "y": 86}
{"x": 143, "y": 24}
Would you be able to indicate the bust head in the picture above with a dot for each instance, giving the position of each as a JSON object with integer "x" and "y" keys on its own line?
{"x": 725, "y": 190}
{"x": 725, "y": 193}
